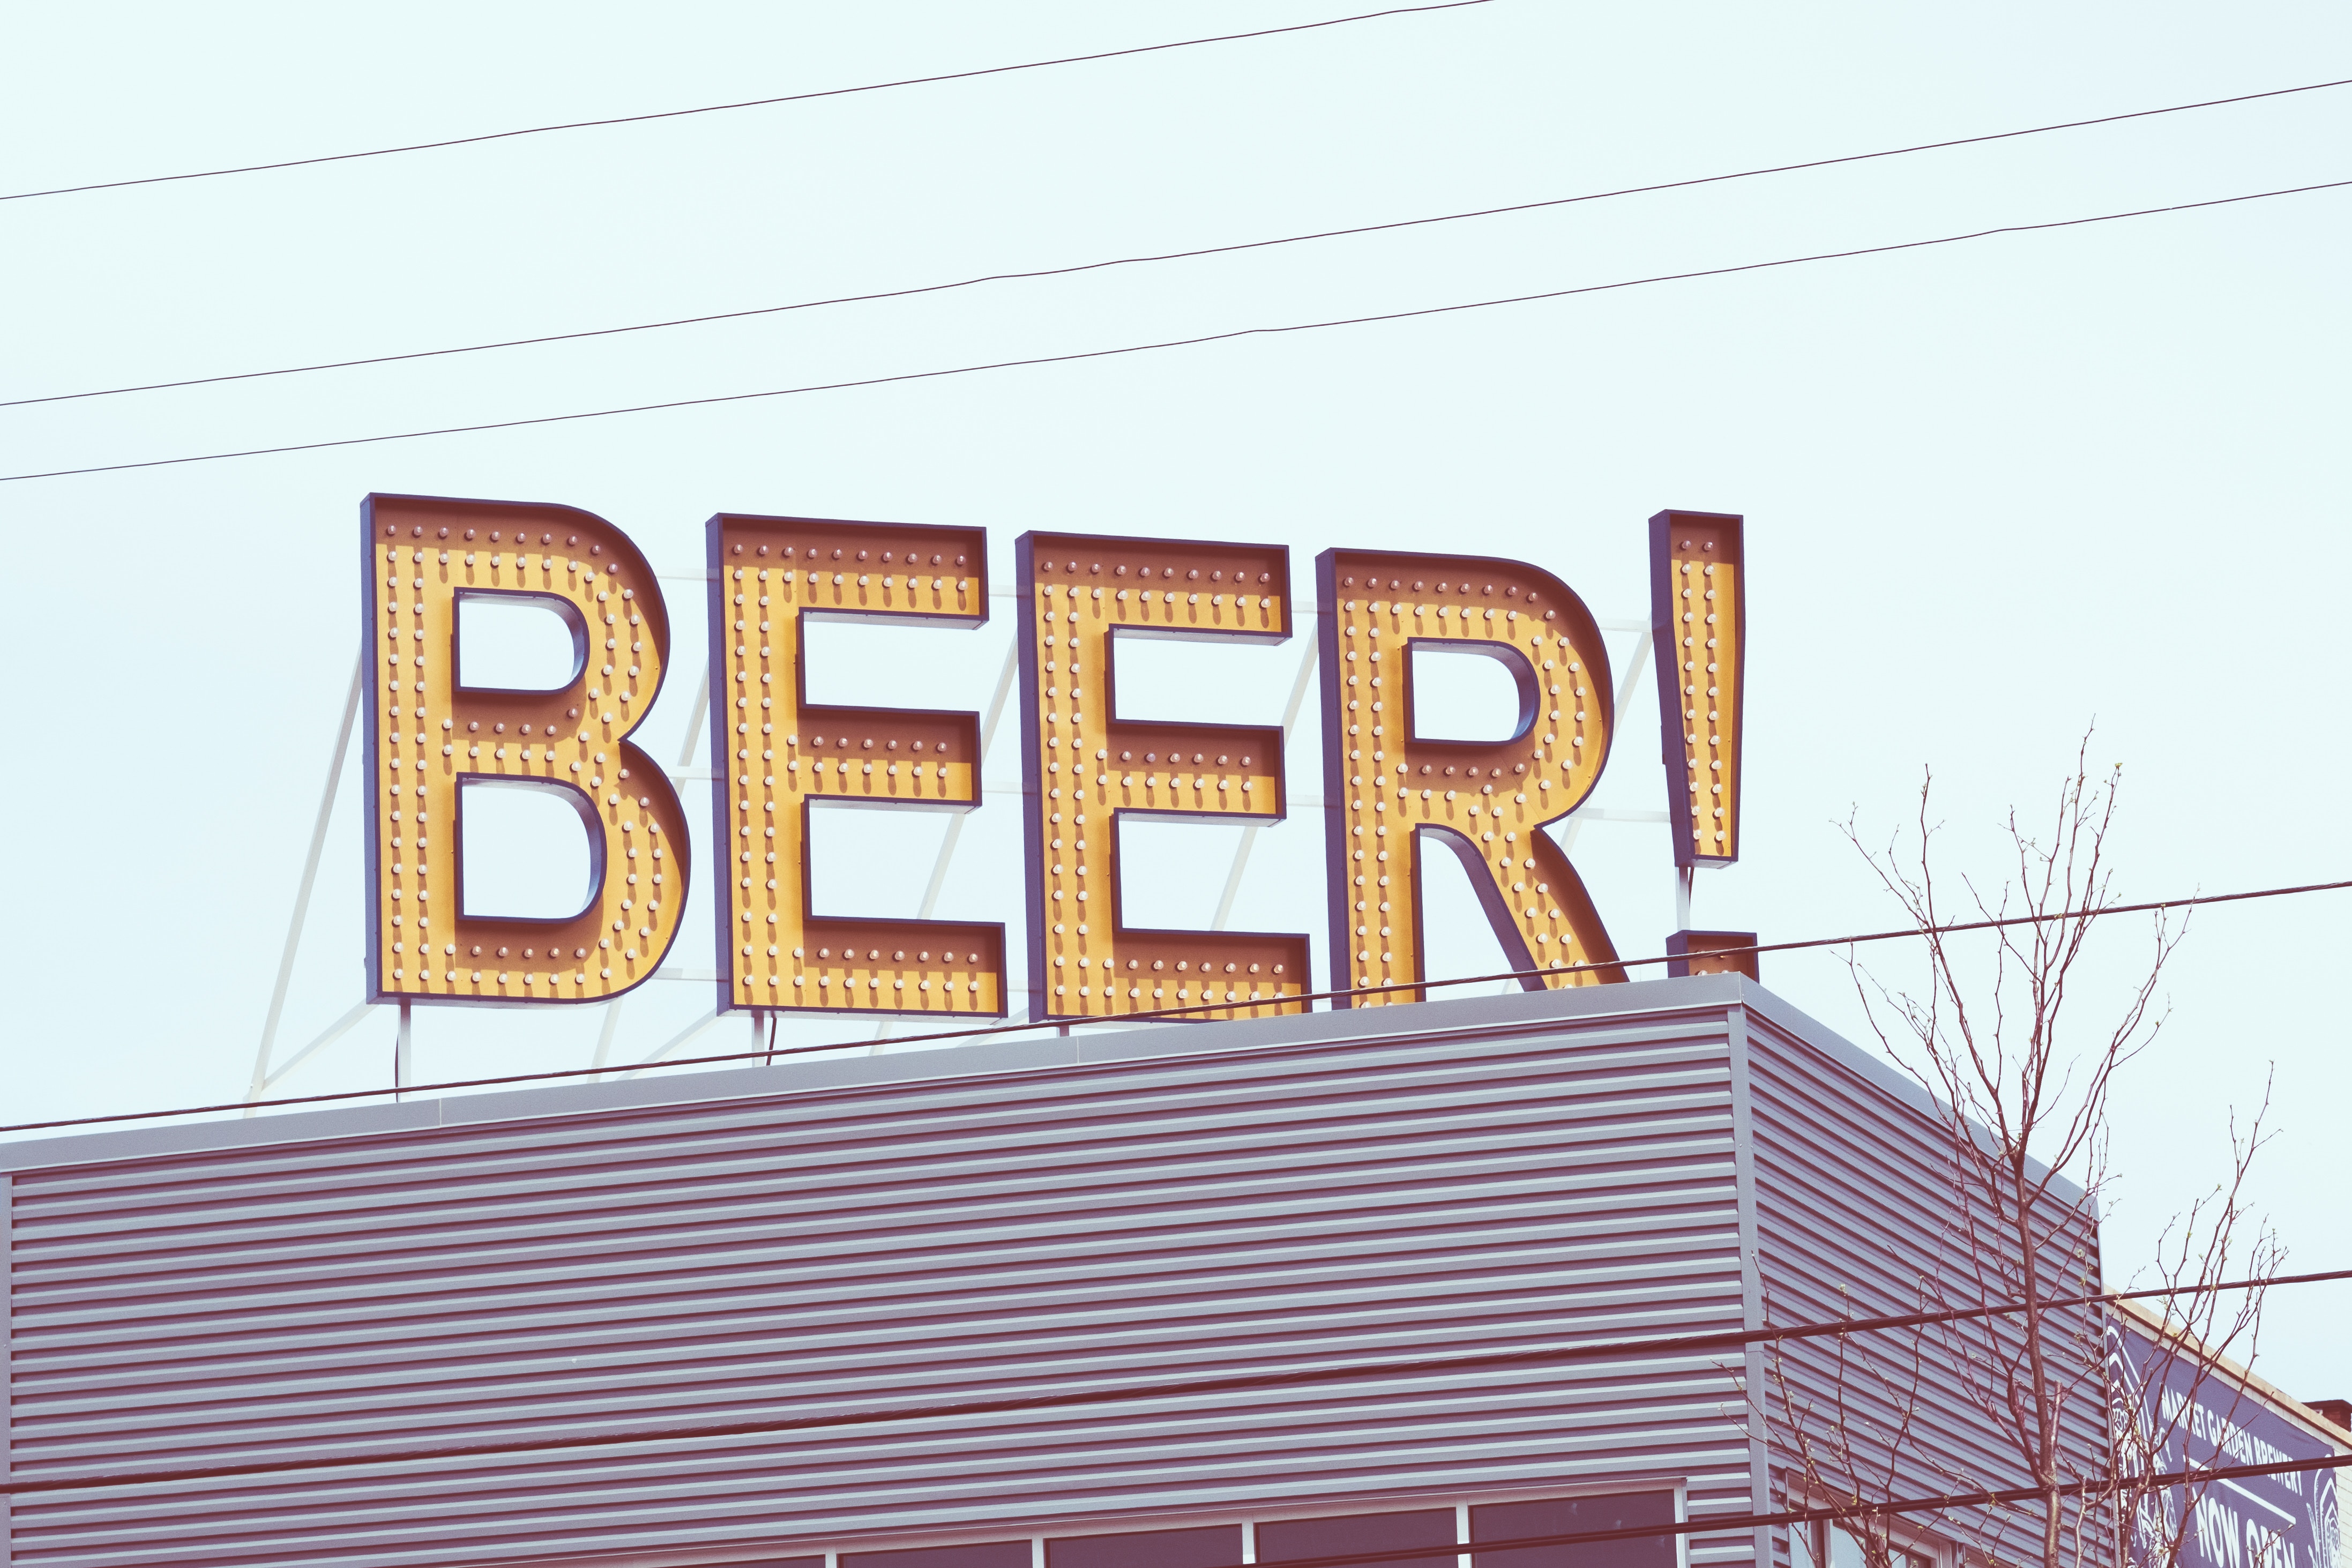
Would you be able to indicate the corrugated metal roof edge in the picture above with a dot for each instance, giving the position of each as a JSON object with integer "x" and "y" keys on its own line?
{"x": 1881, "y": 1073}
{"x": 1698, "y": 993}
{"x": 1702, "y": 994}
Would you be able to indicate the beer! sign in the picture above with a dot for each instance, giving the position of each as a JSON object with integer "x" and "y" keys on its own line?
{"x": 1391, "y": 797}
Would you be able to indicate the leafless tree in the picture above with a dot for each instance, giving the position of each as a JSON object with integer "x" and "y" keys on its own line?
{"x": 2193, "y": 1330}
{"x": 2024, "y": 1088}
{"x": 1849, "y": 1447}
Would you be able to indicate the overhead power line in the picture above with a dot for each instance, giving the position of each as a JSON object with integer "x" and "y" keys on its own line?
{"x": 1195, "y": 341}
{"x": 945, "y": 1410}
{"x": 1724, "y": 1524}
{"x": 1140, "y": 260}
{"x": 745, "y": 103}
{"x": 1190, "y": 1013}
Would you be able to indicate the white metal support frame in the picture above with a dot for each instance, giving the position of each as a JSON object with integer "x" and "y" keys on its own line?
{"x": 675, "y": 1041}
{"x": 266, "y": 1076}
{"x": 694, "y": 720}
{"x": 319, "y": 1042}
{"x": 987, "y": 741}
{"x": 1633, "y": 670}
{"x": 1684, "y": 875}
{"x": 262, "y": 1074}
{"x": 403, "y": 1069}
{"x": 1640, "y": 662}
{"x": 1249, "y": 832}
{"x": 604, "y": 1036}
{"x": 612, "y": 1021}
{"x": 955, "y": 822}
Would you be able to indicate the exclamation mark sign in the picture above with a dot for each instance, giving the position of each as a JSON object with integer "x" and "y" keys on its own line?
{"x": 1698, "y": 615}
{"x": 1698, "y": 622}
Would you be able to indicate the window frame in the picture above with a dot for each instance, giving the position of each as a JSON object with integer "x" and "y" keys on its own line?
{"x": 1927, "y": 1550}
{"x": 1459, "y": 1502}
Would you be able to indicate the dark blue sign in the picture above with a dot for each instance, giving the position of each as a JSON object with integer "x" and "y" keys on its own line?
{"x": 2168, "y": 1412}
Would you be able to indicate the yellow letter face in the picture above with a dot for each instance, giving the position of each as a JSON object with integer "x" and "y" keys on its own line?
{"x": 776, "y": 756}
{"x": 430, "y": 738}
{"x": 1088, "y": 767}
{"x": 1391, "y": 797}
{"x": 1698, "y": 614}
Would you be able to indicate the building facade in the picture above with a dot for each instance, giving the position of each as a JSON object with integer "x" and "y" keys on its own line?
{"x": 708, "y": 1319}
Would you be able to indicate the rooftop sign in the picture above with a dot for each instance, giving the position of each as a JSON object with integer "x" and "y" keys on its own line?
{"x": 1391, "y": 797}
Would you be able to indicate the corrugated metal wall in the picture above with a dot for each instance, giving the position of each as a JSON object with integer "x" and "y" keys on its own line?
{"x": 1455, "y": 1176}
{"x": 1853, "y": 1191}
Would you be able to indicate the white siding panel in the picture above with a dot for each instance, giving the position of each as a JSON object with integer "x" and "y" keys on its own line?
{"x": 1855, "y": 1197}
{"x": 857, "y": 1248}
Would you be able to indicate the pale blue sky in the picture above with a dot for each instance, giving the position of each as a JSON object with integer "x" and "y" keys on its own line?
{"x": 1994, "y": 492}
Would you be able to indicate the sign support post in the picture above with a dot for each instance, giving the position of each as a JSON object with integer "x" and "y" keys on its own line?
{"x": 401, "y": 1072}
{"x": 310, "y": 880}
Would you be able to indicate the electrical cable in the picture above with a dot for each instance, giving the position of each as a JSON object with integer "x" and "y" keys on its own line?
{"x": 1240, "y": 1382}
{"x": 1170, "y": 342}
{"x": 745, "y": 103}
{"x": 1293, "y": 1006}
{"x": 1148, "y": 259}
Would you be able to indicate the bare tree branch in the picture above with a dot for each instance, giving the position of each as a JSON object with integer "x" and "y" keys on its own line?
{"x": 2026, "y": 1109}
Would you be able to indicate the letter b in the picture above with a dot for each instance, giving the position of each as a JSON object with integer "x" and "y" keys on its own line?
{"x": 429, "y": 735}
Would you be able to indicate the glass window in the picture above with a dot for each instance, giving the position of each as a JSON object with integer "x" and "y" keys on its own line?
{"x": 987, "y": 1554}
{"x": 1431, "y": 1537}
{"x": 1846, "y": 1551}
{"x": 1296, "y": 1539}
{"x": 1216, "y": 1546}
{"x": 1572, "y": 1516}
